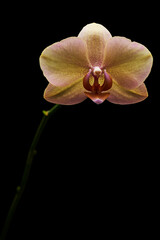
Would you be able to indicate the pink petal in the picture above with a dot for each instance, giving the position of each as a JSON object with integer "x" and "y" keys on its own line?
{"x": 64, "y": 62}
{"x": 129, "y": 63}
{"x": 68, "y": 95}
{"x": 96, "y": 37}
{"x": 120, "y": 95}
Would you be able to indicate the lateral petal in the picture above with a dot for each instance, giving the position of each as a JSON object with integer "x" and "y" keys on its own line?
{"x": 129, "y": 63}
{"x": 64, "y": 62}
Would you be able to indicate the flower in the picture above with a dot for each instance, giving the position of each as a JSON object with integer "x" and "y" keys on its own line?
{"x": 96, "y": 65}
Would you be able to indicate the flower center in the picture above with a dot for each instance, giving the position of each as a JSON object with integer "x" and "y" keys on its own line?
{"x": 96, "y": 81}
{"x": 97, "y": 71}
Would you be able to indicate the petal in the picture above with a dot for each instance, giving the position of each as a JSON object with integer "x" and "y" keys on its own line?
{"x": 96, "y": 37}
{"x": 123, "y": 96}
{"x": 68, "y": 95}
{"x": 64, "y": 62}
{"x": 129, "y": 63}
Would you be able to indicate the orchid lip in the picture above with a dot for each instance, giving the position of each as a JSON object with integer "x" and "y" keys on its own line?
{"x": 96, "y": 91}
{"x": 97, "y": 98}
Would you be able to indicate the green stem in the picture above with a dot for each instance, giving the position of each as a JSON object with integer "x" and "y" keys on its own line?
{"x": 20, "y": 189}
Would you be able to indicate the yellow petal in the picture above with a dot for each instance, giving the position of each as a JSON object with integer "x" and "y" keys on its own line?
{"x": 64, "y": 62}
{"x": 68, "y": 95}
{"x": 129, "y": 63}
{"x": 96, "y": 37}
{"x": 120, "y": 95}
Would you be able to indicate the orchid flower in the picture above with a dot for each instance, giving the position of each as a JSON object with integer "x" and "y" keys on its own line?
{"x": 93, "y": 65}
{"x": 96, "y": 65}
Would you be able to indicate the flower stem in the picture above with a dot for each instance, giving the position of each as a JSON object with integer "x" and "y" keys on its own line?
{"x": 20, "y": 189}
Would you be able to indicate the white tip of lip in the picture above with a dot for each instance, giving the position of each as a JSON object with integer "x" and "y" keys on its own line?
{"x": 98, "y": 101}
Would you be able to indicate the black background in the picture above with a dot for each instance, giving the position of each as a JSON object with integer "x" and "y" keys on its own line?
{"x": 96, "y": 168}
